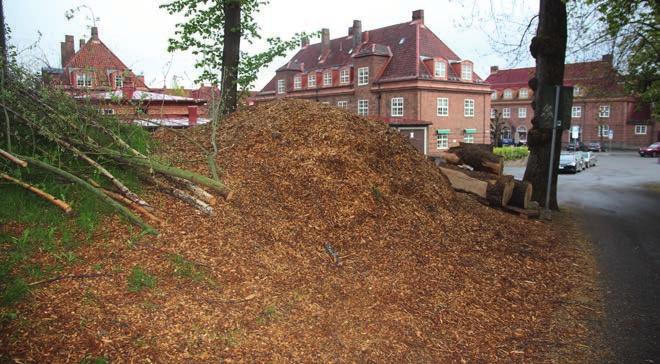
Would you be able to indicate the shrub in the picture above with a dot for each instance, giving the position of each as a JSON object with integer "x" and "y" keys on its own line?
{"x": 512, "y": 153}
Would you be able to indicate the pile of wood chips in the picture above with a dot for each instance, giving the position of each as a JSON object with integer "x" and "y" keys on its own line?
{"x": 339, "y": 243}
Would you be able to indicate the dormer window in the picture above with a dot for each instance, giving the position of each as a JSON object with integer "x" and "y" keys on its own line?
{"x": 523, "y": 93}
{"x": 119, "y": 81}
{"x": 311, "y": 80}
{"x": 84, "y": 80}
{"x": 297, "y": 82}
{"x": 466, "y": 71}
{"x": 327, "y": 78}
{"x": 493, "y": 95}
{"x": 577, "y": 91}
{"x": 281, "y": 86}
{"x": 344, "y": 76}
{"x": 440, "y": 69}
{"x": 508, "y": 94}
{"x": 363, "y": 76}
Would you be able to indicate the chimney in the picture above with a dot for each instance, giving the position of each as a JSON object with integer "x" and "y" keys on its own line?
{"x": 67, "y": 49}
{"x": 128, "y": 89}
{"x": 494, "y": 69}
{"x": 81, "y": 43}
{"x": 418, "y": 15}
{"x": 350, "y": 31}
{"x": 140, "y": 78}
{"x": 95, "y": 33}
{"x": 304, "y": 42}
{"x": 325, "y": 40}
{"x": 192, "y": 115}
{"x": 357, "y": 33}
{"x": 608, "y": 58}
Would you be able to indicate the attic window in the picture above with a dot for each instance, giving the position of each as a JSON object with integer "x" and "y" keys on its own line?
{"x": 402, "y": 40}
{"x": 84, "y": 80}
{"x": 466, "y": 71}
{"x": 119, "y": 81}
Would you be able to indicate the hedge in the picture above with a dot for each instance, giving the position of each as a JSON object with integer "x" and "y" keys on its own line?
{"x": 512, "y": 153}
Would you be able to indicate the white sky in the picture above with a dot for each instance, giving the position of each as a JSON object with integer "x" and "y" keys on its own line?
{"x": 137, "y": 30}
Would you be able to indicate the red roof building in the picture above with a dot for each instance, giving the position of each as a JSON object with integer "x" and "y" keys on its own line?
{"x": 402, "y": 74}
{"x": 600, "y": 104}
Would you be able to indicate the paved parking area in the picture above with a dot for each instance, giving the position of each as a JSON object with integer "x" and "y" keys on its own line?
{"x": 618, "y": 203}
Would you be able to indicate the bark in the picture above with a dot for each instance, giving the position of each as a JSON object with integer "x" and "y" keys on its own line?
{"x": 478, "y": 156}
{"x": 44, "y": 195}
{"x": 496, "y": 189}
{"x": 549, "y": 49}
{"x": 3, "y": 41}
{"x": 230, "y": 55}
{"x": 499, "y": 193}
{"x": 522, "y": 194}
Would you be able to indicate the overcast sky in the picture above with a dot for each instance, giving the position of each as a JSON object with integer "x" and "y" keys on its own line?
{"x": 137, "y": 30}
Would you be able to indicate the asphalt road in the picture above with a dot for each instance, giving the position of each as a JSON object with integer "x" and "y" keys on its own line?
{"x": 618, "y": 203}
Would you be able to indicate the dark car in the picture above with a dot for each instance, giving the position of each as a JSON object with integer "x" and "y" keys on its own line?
{"x": 594, "y": 147}
{"x": 507, "y": 141}
{"x": 570, "y": 162}
{"x": 652, "y": 150}
{"x": 575, "y": 146}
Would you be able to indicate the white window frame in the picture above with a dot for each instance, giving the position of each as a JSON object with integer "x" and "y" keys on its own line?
{"x": 576, "y": 111}
{"x": 297, "y": 82}
{"x": 506, "y": 113}
{"x": 508, "y": 94}
{"x": 441, "y": 141}
{"x": 440, "y": 69}
{"x": 327, "y": 78}
{"x": 396, "y": 106}
{"x": 84, "y": 80}
{"x": 344, "y": 76}
{"x": 119, "y": 81}
{"x": 641, "y": 129}
{"x": 577, "y": 91}
{"x": 311, "y": 80}
{"x": 604, "y": 111}
{"x": 523, "y": 93}
{"x": 343, "y": 104}
{"x": 468, "y": 138}
{"x": 468, "y": 108}
{"x": 493, "y": 95}
{"x": 363, "y": 107}
{"x": 466, "y": 71}
{"x": 522, "y": 129}
{"x": 442, "y": 106}
{"x": 603, "y": 130}
{"x": 363, "y": 76}
{"x": 281, "y": 86}
{"x": 493, "y": 113}
{"x": 522, "y": 112}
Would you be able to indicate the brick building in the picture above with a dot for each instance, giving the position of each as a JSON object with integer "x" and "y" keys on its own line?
{"x": 600, "y": 104}
{"x": 94, "y": 74}
{"x": 402, "y": 74}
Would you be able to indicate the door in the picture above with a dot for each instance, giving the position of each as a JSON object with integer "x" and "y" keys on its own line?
{"x": 415, "y": 136}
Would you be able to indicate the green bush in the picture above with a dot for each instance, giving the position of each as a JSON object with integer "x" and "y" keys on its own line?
{"x": 512, "y": 153}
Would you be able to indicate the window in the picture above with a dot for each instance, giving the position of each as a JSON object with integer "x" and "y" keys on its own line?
{"x": 522, "y": 112}
{"x": 493, "y": 113}
{"x": 468, "y": 138}
{"x": 327, "y": 78}
{"x": 363, "y": 107}
{"x": 280, "y": 86}
{"x": 522, "y": 133}
{"x": 440, "y": 69}
{"x": 84, "y": 80}
{"x": 363, "y": 76}
{"x": 396, "y": 106}
{"x": 342, "y": 104}
{"x": 468, "y": 108}
{"x": 640, "y": 129}
{"x": 508, "y": 94}
{"x": 466, "y": 71}
{"x": 311, "y": 80}
{"x": 506, "y": 133}
{"x": 112, "y": 112}
{"x": 603, "y": 130}
{"x": 297, "y": 83}
{"x": 443, "y": 106}
{"x": 344, "y": 76}
{"x": 604, "y": 111}
{"x": 523, "y": 93}
{"x": 577, "y": 91}
{"x": 442, "y": 141}
{"x": 119, "y": 81}
{"x": 325, "y": 103}
{"x": 506, "y": 113}
{"x": 576, "y": 111}
{"x": 493, "y": 95}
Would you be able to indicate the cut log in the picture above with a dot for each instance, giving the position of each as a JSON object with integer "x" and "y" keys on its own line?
{"x": 477, "y": 156}
{"x": 522, "y": 194}
{"x": 462, "y": 182}
{"x": 496, "y": 189}
{"x": 499, "y": 193}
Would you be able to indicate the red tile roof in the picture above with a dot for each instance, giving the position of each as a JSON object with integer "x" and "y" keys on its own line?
{"x": 405, "y": 44}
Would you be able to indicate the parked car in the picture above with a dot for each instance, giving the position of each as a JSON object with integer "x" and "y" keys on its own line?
{"x": 575, "y": 146}
{"x": 507, "y": 141}
{"x": 570, "y": 162}
{"x": 652, "y": 150}
{"x": 590, "y": 159}
{"x": 595, "y": 147}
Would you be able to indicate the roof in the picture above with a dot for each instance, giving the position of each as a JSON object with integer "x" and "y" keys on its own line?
{"x": 139, "y": 95}
{"x": 405, "y": 44}
{"x": 596, "y": 76}
{"x": 168, "y": 122}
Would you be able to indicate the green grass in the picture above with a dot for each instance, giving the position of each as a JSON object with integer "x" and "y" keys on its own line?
{"x": 140, "y": 279}
{"x": 184, "y": 268}
{"x": 512, "y": 153}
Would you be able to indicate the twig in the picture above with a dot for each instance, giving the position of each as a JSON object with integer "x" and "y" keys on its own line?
{"x": 12, "y": 158}
{"x": 72, "y": 276}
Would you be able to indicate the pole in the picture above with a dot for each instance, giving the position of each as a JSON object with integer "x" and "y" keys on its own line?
{"x": 555, "y": 123}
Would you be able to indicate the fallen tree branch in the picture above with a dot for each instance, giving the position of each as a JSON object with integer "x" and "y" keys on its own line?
{"x": 12, "y": 158}
{"x": 44, "y": 195}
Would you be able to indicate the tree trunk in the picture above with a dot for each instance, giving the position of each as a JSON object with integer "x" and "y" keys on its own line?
{"x": 230, "y": 55}
{"x": 549, "y": 49}
{"x": 3, "y": 41}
